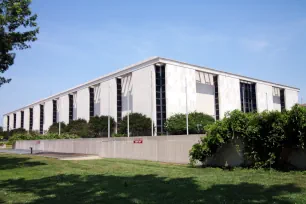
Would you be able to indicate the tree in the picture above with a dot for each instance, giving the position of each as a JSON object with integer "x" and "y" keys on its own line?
{"x": 98, "y": 126}
{"x": 139, "y": 125}
{"x": 78, "y": 127}
{"x": 54, "y": 128}
{"x": 1, "y": 129}
{"x": 176, "y": 124}
{"x": 18, "y": 28}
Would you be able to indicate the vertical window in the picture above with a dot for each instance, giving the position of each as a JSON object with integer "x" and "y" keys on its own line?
{"x": 8, "y": 123}
{"x": 31, "y": 119}
{"x": 70, "y": 107}
{"x": 91, "y": 102}
{"x": 41, "y": 120}
{"x": 248, "y": 96}
{"x": 54, "y": 118}
{"x": 119, "y": 100}
{"x": 14, "y": 121}
{"x": 282, "y": 99}
{"x": 215, "y": 79}
{"x": 22, "y": 119}
{"x": 160, "y": 98}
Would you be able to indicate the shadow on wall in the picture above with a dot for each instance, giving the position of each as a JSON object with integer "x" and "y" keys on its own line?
{"x": 276, "y": 99}
{"x": 205, "y": 89}
{"x": 125, "y": 107}
{"x": 142, "y": 189}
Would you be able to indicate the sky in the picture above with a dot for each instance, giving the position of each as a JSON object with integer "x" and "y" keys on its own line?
{"x": 82, "y": 40}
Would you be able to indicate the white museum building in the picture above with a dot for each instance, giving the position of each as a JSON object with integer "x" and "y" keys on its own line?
{"x": 157, "y": 88}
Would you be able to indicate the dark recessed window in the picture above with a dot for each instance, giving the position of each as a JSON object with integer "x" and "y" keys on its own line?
{"x": 8, "y": 123}
{"x": 215, "y": 79}
{"x": 91, "y": 102}
{"x": 54, "y": 118}
{"x": 31, "y": 119}
{"x": 22, "y": 119}
{"x": 41, "y": 120}
{"x": 160, "y": 99}
{"x": 282, "y": 99}
{"x": 70, "y": 107}
{"x": 14, "y": 120}
{"x": 119, "y": 100}
{"x": 248, "y": 96}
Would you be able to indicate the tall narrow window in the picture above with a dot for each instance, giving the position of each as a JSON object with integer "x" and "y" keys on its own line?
{"x": 70, "y": 107}
{"x": 215, "y": 79}
{"x": 31, "y": 119}
{"x": 91, "y": 102}
{"x": 8, "y": 123}
{"x": 160, "y": 98}
{"x": 14, "y": 120}
{"x": 41, "y": 119}
{"x": 282, "y": 99}
{"x": 119, "y": 100}
{"x": 248, "y": 96}
{"x": 54, "y": 118}
{"x": 22, "y": 119}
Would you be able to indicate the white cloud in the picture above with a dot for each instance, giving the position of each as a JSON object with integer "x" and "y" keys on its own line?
{"x": 256, "y": 45}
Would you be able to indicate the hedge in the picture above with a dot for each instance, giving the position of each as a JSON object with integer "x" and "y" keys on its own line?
{"x": 268, "y": 137}
{"x": 78, "y": 127}
{"x": 35, "y": 136}
{"x": 98, "y": 126}
{"x": 54, "y": 128}
{"x": 139, "y": 125}
{"x": 176, "y": 124}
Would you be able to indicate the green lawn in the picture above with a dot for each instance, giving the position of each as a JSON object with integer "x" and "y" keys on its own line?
{"x": 25, "y": 179}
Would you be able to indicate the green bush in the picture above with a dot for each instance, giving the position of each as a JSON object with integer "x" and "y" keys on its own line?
{"x": 54, "y": 128}
{"x": 176, "y": 124}
{"x": 78, "y": 127}
{"x": 17, "y": 131}
{"x": 268, "y": 137}
{"x": 140, "y": 125}
{"x": 34, "y": 136}
{"x": 98, "y": 126}
{"x": 295, "y": 128}
{"x": 7, "y": 134}
{"x": 118, "y": 135}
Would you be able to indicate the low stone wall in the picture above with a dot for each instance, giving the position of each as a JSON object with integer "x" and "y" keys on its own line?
{"x": 174, "y": 149}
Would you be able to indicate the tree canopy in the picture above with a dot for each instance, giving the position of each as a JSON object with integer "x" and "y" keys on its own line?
{"x": 18, "y": 28}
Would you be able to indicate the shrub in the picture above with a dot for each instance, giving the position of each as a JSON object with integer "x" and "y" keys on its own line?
{"x": 78, "y": 127}
{"x": 295, "y": 128}
{"x": 17, "y": 131}
{"x": 140, "y": 125}
{"x": 176, "y": 124}
{"x": 54, "y": 128}
{"x": 118, "y": 135}
{"x": 98, "y": 126}
{"x": 49, "y": 136}
{"x": 268, "y": 137}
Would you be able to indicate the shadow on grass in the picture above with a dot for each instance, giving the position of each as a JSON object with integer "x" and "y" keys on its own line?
{"x": 142, "y": 189}
{"x": 13, "y": 162}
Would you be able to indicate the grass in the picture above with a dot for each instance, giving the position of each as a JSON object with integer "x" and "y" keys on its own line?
{"x": 26, "y": 179}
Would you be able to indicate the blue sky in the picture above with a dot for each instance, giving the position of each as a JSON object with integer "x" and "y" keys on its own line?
{"x": 82, "y": 40}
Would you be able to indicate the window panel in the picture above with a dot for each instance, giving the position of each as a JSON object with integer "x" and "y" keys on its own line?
{"x": 160, "y": 98}
{"x": 248, "y": 96}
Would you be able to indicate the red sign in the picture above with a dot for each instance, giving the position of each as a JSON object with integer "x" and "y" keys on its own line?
{"x": 138, "y": 141}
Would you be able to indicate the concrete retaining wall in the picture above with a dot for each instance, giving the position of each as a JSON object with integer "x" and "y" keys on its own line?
{"x": 173, "y": 149}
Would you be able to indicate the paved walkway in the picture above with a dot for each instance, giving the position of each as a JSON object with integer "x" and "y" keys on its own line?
{"x": 56, "y": 155}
